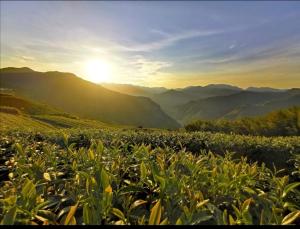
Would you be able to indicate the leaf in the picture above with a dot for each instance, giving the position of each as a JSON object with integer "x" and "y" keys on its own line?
{"x": 19, "y": 148}
{"x": 91, "y": 154}
{"x": 50, "y": 216}
{"x": 29, "y": 191}
{"x": 246, "y": 204}
{"x": 202, "y": 203}
{"x": 10, "y": 216}
{"x": 71, "y": 215}
{"x": 291, "y": 217}
{"x": 87, "y": 214}
{"x": 104, "y": 179}
{"x": 225, "y": 215}
{"x": 231, "y": 220}
{"x": 236, "y": 210}
{"x": 289, "y": 188}
{"x": 47, "y": 176}
{"x": 155, "y": 214}
{"x": 161, "y": 180}
{"x": 65, "y": 139}
{"x": 179, "y": 221}
{"x": 118, "y": 213}
{"x": 100, "y": 147}
{"x": 143, "y": 171}
{"x": 108, "y": 189}
{"x": 137, "y": 203}
{"x": 164, "y": 222}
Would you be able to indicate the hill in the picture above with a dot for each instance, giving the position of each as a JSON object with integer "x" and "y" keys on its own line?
{"x": 72, "y": 94}
{"x": 285, "y": 122}
{"x": 17, "y": 113}
{"x": 134, "y": 89}
{"x": 241, "y": 104}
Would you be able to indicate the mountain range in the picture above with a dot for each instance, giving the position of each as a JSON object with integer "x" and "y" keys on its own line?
{"x": 67, "y": 92}
{"x": 216, "y": 101}
{"x": 155, "y": 107}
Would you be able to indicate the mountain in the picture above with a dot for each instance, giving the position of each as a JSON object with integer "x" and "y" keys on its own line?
{"x": 20, "y": 113}
{"x": 241, "y": 104}
{"x": 72, "y": 94}
{"x": 171, "y": 99}
{"x": 134, "y": 89}
{"x": 264, "y": 89}
{"x": 22, "y": 105}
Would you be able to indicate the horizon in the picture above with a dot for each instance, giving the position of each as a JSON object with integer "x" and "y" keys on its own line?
{"x": 135, "y": 85}
{"x": 157, "y": 44}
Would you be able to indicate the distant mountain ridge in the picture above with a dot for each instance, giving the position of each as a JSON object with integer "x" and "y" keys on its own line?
{"x": 217, "y": 101}
{"x": 146, "y": 106}
{"x": 72, "y": 94}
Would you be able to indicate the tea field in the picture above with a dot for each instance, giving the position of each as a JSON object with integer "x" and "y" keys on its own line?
{"x": 139, "y": 176}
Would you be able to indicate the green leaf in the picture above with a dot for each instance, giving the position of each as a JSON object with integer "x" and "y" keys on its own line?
{"x": 143, "y": 171}
{"x": 104, "y": 178}
{"x": 289, "y": 188}
{"x": 10, "y": 216}
{"x": 28, "y": 191}
{"x": 87, "y": 214}
{"x": 155, "y": 214}
{"x": 225, "y": 215}
{"x": 118, "y": 213}
{"x": 161, "y": 180}
{"x": 19, "y": 148}
{"x": 291, "y": 217}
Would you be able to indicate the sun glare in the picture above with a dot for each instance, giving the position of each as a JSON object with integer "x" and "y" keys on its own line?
{"x": 98, "y": 71}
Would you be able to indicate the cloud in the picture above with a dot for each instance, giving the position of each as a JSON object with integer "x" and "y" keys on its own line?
{"x": 27, "y": 58}
{"x": 168, "y": 40}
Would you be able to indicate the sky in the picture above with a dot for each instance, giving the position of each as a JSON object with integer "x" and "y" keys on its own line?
{"x": 157, "y": 43}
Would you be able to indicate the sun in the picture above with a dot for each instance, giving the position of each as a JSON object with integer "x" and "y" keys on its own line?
{"x": 97, "y": 71}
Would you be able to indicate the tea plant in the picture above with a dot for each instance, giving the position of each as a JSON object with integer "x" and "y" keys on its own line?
{"x": 94, "y": 179}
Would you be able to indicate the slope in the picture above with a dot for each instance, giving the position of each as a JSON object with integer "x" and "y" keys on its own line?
{"x": 72, "y": 94}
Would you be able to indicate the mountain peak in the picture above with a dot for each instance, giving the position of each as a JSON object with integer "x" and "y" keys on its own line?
{"x": 16, "y": 70}
{"x": 223, "y": 86}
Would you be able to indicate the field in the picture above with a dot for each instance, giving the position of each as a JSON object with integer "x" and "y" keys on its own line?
{"x": 143, "y": 176}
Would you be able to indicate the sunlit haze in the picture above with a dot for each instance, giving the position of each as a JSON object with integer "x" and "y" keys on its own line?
{"x": 170, "y": 44}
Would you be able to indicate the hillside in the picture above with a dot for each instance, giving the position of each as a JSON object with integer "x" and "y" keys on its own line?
{"x": 17, "y": 113}
{"x": 72, "y": 94}
{"x": 285, "y": 122}
{"x": 241, "y": 104}
{"x": 134, "y": 89}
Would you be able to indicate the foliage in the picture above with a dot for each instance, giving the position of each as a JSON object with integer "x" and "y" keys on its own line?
{"x": 278, "y": 123}
{"x": 90, "y": 179}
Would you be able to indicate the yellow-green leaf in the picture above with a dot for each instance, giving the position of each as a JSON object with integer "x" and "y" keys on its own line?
{"x": 202, "y": 203}
{"x": 47, "y": 176}
{"x": 10, "y": 216}
{"x": 155, "y": 214}
{"x": 137, "y": 203}
{"x": 289, "y": 188}
{"x": 291, "y": 217}
{"x": 118, "y": 213}
{"x": 71, "y": 214}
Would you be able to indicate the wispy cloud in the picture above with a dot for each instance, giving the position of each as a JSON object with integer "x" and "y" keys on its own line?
{"x": 168, "y": 40}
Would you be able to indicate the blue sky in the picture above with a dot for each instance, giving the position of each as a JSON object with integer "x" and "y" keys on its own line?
{"x": 158, "y": 43}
